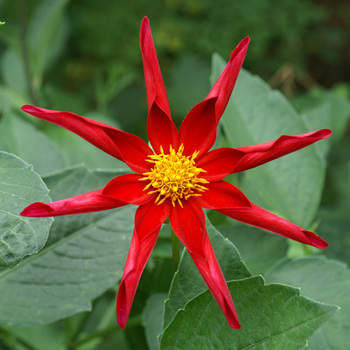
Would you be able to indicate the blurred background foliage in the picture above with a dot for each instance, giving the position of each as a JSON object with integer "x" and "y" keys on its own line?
{"x": 94, "y": 64}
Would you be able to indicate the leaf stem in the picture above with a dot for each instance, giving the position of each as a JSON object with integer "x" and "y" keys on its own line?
{"x": 175, "y": 243}
{"x": 16, "y": 339}
{"x": 133, "y": 322}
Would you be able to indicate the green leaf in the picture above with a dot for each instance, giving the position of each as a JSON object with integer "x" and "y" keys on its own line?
{"x": 68, "y": 183}
{"x": 12, "y": 71}
{"x": 272, "y": 317}
{"x": 272, "y": 248}
{"x": 152, "y": 319}
{"x": 21, "y": 138}
{"x": 19, "y": 186}
{"x": 325, "y": 109}
{"x": 10, "y": 99}
{"x": 47, "y": 29}
{"x": 327, "y": 281}
{"x": 188, "y": 283}
{"x": 79, "y": 151}
{"x": 290, "y": 186}
{"x": 82, "y": 263}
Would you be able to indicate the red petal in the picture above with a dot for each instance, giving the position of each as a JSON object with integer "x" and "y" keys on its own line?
{"x": 219, "y": 163}
{"x": 148, "y": 220}
{"x": 129, "y": 189}
{"x": 189, "y": 225}
{"x": 84, "y": 203}
{"x": 262, "y": 153}
{"x": 161, "y": 130}
{"x": 223, "y": 87}
{"x": 154, "y": 82}
{"x": 221, "y": 195}
{"x": 198, "y": 130}
{"x": 229, "y": 200}
{"x": 127, "y": 147}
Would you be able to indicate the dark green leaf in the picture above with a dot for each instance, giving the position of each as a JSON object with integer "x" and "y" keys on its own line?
{"x": 272, "y": 317}
{"x": 19, "y": 186}
{"x": 327, "y": 281}
{"x": 290, "y": 186}
{"x": 188, "y": 283}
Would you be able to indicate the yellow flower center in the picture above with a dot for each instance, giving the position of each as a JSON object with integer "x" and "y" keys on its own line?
{"x": 174, "y": 176}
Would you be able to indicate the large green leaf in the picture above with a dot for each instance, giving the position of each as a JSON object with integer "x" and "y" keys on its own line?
{"x": 292, "y": 185}
{"x": 21, "y": 138}
{"x": 188, "y": 283}
{"x": 272, "y": 317}
{"x": 83, "y": 261}
{"x": 71, "y": 182}
{"x": 327, "y": 281}
{"x": 19, "y": 186}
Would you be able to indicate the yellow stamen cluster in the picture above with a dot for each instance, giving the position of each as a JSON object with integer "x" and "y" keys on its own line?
{"x": 174, "y": 176}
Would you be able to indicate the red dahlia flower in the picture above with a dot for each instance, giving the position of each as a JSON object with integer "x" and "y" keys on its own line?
{"x": 177, "y": 177}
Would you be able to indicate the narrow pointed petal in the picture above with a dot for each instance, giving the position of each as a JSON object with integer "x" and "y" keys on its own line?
{"x": 219, "y": 163}
{"x": 198, "y": 130}
{"x": 124, "y": 146}
{"x": 160, "y": 127}
{"x": 265, "y": 152}
{"x": 129, "y": 189}
{"x": 189, "y": 225}
{"x": 84, "y": 203}
{"x": 148, "y": 220}
{"x": 223, "y": 87}
{"x": 226, "y": 199}
{"x": 161, "y": 130}
{"x": 155, "y": 87}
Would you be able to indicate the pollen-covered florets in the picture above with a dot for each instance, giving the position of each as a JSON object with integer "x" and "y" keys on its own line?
{"x": 174, "y": 176}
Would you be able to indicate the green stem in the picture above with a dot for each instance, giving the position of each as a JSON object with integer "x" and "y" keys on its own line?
{"x": 134, "y": 321}
{"x": 175, "y": 243}
{"x": 18, "y": 340}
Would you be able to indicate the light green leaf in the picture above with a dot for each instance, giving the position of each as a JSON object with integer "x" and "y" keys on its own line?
{"x": 83, "y": 262}
{"x": 272, "y": 317}
{"x": 188, "y": 283}
{"x": 19, "y": 186}
{"x": 12, "y": 70}
{"x": 21, "y": 138}
{"x": 272, "y": 247}
{"x": 325, "y": 109}
{"x": 327, "y": 281}
{"x": 152, "y": 319}
{"x": 290, "y": 186}
{"x": 10, "y": 99}
{"x": 79, "y": 151}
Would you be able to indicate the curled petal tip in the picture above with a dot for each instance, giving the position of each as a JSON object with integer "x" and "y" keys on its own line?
{"x": 315, "y": 240}
{"x": 325, "y": 133}
{"x": 27, "y": 108}
{"x": 37, "y": 209}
